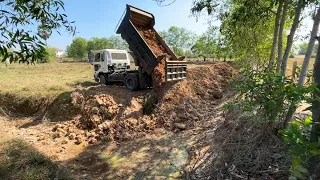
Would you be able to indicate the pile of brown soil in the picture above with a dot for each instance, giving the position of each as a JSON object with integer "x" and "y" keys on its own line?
{"x": 182, "y": 103}
{"x": 102, "y": 118}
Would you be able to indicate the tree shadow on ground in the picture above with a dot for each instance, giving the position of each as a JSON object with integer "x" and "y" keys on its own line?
{"x": 83, "y": 84}
{"x": 157, "y": 155}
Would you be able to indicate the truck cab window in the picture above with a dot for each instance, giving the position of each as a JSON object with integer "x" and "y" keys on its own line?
{"x": 97, "y": 57}
{"x": 119, "y": 56}
{"x": 103, "y": 56}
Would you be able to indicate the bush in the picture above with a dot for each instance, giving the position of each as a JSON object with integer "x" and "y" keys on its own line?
{"x": 268, "y": 94}
{"x": 291, "y": 56}
{"x": 302, "y": 150}
{"x": 50, "y": 55}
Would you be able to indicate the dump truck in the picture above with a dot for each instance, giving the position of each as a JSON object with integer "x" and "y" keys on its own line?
{"x": 144, "y": 54}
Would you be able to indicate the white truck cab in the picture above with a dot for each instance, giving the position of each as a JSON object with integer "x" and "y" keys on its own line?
{"x": 110, "y": 62}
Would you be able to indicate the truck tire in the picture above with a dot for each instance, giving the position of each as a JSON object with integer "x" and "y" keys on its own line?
{"x": 103, "y": 79}
{"x": 131, "y": 81}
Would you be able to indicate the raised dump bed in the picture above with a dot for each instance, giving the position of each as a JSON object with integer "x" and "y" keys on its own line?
{"x": 136, "y": 28}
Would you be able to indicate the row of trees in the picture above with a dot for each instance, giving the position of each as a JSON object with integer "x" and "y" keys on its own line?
{"x": 182, "y": 41}
{"x": 80, "y": 47}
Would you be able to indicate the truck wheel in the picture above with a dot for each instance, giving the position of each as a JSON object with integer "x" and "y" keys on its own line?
{"x": 103, "y": 79}
{"x": 131, "y": 82}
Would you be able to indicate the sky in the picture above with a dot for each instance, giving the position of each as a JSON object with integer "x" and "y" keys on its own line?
{"x": 99, "y": 18}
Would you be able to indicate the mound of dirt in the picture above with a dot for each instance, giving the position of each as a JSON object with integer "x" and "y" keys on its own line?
{"x": 182, "y": 102}
{"x": 101, "y": 117}
{"x": 181, "y": 106}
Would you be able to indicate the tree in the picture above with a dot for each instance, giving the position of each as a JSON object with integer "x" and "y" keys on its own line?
{"x": 275, "y": 35}
{"x": 99, "y": 43}
{"x": 307, "y": 57}
{"x": 283, "y": 19}
{"x": 19, "y": 15}
{"x": 178, "y": 39}
{"x": 316, "y": 99}
{"x": 118, "y": 43}
{"x": 78, "y": 48}
{"x": 50, "y": 55}
{"x": 306, "y": 61}
{"x": 207, "y": 43}
{"x": 304, "y": 46}
{"x": 114, "y": 42}
{"x": 296, "y": 21}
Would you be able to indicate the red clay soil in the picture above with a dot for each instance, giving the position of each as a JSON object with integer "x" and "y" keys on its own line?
{"x": 149, "y": 35}
{"x": 102, "y": 116}
{"x": 158, "y": 74}
{"x": 181, "y": 103}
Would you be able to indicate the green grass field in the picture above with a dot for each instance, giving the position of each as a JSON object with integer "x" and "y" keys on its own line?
{"x": 44, "y": 79}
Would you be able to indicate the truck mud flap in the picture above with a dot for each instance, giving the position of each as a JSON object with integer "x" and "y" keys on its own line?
{"x": 176, "y": 70}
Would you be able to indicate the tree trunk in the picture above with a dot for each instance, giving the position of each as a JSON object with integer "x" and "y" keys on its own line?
{"x": 296, "y": 22}
{"x": 305, "y": 65}
{"x": 307, "y": 57}
{"x": 275, "y": 35}
{"x": 280, "y": 39}
{"x": 316, "y": 99}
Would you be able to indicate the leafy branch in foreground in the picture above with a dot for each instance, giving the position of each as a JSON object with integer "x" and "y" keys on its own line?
{"x": 26, "y": 24}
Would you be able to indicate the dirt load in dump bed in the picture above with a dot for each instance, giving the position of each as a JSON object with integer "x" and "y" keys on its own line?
{"x": 158, "y": 74}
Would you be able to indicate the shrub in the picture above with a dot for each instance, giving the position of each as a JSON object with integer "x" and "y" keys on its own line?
{"x": 291, "y": 56}
{"x": 50, "y": 55}
{"x": 302, "y": 150}
{"x": 268, "y": 94}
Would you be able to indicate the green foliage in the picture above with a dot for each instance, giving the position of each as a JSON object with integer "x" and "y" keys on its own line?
{"x": 178, "y": 39}
{"x": 98, "y": 43}
{"x": 50, "y": 55}
{"x": 18, "y": 15}
{"x": 118, "y": 43}
{"x": 298, "y": 137}
{"x": 291, "y": 56}
{"x": 208, "y": 44}
{"x": 304, "y": 46}
{"x": 78, "y": 48}
{"x": 269, "y": 94}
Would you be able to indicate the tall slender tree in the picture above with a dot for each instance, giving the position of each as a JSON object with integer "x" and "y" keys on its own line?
{"x": 305, "y": 65}
{"x": 296, "y": 21}
{"x": 315, "y": 131}
{"x": 280, "y": 40}
{"x": 275, "y": 34}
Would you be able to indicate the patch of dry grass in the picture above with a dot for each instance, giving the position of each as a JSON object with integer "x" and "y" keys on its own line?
{"x": 19, "y": 160}
{"x": 48, "y": 79}
{"x": 299, "y": 59}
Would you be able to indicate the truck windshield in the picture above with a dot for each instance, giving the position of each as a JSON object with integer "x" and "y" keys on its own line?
{"x": 118, "y": 56}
